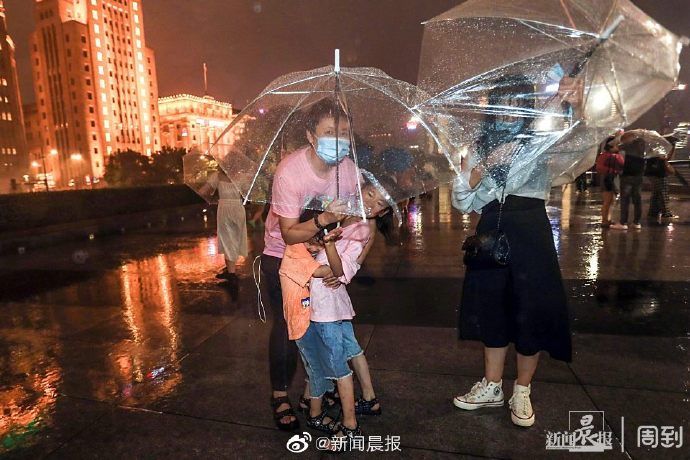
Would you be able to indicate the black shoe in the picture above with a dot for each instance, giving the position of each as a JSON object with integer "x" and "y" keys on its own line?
{"x": 277, "y": 416}
{"x": 364, "y": 407}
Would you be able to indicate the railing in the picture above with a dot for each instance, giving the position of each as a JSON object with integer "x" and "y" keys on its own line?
{"x": 680, "y": 181}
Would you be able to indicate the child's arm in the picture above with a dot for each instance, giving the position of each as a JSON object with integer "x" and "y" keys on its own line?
{"x": 334, "y": 261}
{"x": 370, "y": 242}
{"x": 323, "y": 271}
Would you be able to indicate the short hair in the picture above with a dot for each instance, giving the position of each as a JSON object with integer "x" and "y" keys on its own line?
{"x": 326, "y": 107}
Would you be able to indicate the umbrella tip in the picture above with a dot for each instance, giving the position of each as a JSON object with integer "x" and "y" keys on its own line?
{"x": 337, "y": 60}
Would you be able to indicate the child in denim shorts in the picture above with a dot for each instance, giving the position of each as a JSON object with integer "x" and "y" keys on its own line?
{"x": 329, "y": 342}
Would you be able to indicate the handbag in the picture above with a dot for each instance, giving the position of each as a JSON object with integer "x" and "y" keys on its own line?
{"x": 490, "y": 249}
{"x": 487, "y": 250}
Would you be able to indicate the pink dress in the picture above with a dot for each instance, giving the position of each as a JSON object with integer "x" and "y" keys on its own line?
{"x": 328, "y": 305}
{"x": 294, "y": 185}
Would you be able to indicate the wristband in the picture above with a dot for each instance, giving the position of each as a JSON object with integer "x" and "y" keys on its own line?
{"x": 316, "y": 222}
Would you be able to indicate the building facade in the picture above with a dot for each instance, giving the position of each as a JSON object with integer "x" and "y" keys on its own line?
{"x": 191, "y": 122}
{"x": 95, "y": 85}
{"x": 14, "y": 159}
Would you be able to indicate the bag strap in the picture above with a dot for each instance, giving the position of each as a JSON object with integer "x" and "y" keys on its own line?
{"x": 516, "y": 151}
{"x": 500, "y": 209}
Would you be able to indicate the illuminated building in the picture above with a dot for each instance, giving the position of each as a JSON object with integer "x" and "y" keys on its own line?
{"x": 193, "y": 122}
{"x": 13, "y": 155}
{"x": 95, "y": 84}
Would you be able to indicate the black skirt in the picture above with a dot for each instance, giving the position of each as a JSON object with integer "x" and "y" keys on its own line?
{"x": 525, "y": 302}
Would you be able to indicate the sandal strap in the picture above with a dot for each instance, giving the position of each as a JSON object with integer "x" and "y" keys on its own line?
{"x": 318, "y": 423}
{"x": 277, "y": 401}
{"x": 284, "y": 413}
{"x": 350, "y": 433}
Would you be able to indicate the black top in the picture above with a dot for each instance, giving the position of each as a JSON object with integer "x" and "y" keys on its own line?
{"x": 634, "y": 158}
{"x": 656, "y": 167}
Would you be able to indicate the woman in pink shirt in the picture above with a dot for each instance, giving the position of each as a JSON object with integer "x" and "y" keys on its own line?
{"x": 307, "y": 173}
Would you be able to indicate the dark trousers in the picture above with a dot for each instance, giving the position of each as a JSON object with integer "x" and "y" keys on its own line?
{"x": 282, "y": 352}
{"x": 659, "y": 200}
{"x": 631, "y": 187}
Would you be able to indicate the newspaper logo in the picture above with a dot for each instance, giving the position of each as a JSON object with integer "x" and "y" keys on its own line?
{"x": 586, "y": 433}
{"x": 298, "y": 443}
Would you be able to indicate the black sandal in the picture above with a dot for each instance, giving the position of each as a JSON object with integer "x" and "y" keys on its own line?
{"x": 317, "y": 423}
{"x": 329, "y": 398}
{"x": 364, "y": 407}
{"x": 289, "y": 412}
{"x": 346, "y": 440}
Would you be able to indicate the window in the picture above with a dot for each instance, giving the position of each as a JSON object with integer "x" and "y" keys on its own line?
{"x": 91, "y": 110}
{"x": 89, "y": 96}
{"x": 83, "y": 38}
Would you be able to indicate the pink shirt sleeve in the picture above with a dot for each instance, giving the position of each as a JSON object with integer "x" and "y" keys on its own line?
{"x": 348, "y": 258}
{"x": 352, "y": 246}
{"x": 286, "y": 194}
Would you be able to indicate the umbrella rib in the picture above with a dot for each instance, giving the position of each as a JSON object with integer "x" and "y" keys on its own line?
{"x": 543, "y": 32}
{"x": 268, "y": 149}
{"x": 567, "y": 13}
{"x": 480, "y": 77}
{"x": 262, "y": 94}
{"x": 418, "y": 113}
{"x": 619, "y": 104}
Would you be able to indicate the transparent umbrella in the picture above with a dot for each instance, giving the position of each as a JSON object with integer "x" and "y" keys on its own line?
{"x": 200, "y": 173}
{"x": 655, "y": 144}
{"x": 550, "y": 78}
{"x": 388, "y": 135}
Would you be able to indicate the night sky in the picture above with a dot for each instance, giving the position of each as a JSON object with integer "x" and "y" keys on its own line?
{"x": 247, "y": 43}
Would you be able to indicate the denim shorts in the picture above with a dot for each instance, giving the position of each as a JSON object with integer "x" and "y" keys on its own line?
{"x": 325, "y": 349}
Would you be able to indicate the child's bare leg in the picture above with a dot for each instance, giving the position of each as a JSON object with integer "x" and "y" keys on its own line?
{"x": 346, "y": 389}
{"x": 361, "y": 367}
{"x": 315, "y": 408}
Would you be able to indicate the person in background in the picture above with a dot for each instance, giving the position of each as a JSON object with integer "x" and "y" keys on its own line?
{"x": 609, "y": 165}
{"x": 232, "y": 226}
{"x": 657, "y": 170}
{"x": 631, "y": 180}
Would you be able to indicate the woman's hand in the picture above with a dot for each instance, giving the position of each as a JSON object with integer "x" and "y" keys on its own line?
{"x": 335, "y": 212}
{"x": 476, "y": 175}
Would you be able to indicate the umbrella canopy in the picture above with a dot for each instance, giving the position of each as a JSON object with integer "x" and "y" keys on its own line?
{"x": 655, "y": 144}
{"x": 386, "y": 133}
{"x": 571, "y": 71}
{"x": 200, "y": 172}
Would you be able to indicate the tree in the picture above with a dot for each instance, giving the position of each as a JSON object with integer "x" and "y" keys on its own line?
{"x": 166, "y": 166}
{"x": 127, "y": 168}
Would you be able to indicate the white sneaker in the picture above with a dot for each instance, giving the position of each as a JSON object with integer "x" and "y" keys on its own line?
{"x": 482, "y": 394}
{"x": 637, "y": 226}
{"x": 619, "y": 227}
{"x": 521, "y": 412}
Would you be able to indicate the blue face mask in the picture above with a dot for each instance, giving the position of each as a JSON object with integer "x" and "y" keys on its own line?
{"x": 326, "y": 149}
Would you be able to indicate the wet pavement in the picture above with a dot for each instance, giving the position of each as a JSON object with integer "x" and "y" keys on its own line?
{"x": 128, "y": 347}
